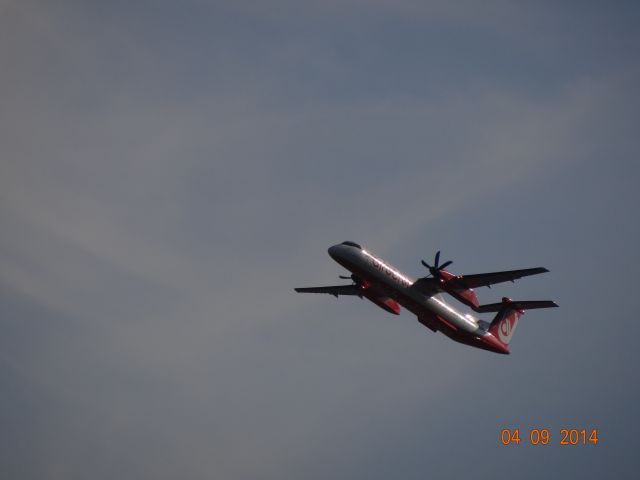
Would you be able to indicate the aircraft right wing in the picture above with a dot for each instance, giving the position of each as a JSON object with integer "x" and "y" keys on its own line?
{"x": 463, "y": 282}
{"x": 334, "y": 290}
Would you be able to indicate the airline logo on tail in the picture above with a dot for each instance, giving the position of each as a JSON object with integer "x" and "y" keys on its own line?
{"x": 506, "y": 329}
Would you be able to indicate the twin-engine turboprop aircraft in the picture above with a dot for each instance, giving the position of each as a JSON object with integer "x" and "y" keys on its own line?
{"x": 385, "y": 286}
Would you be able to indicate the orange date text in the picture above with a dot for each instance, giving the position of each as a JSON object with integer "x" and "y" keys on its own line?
{"x": 544, "y": 436}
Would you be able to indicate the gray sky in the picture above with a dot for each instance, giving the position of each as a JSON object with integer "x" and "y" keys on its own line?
{"x": 171, "y": 170}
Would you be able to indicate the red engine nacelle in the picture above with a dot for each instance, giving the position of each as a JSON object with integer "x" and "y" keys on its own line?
{"x": 465, "y": 295}
{"x": 380, "y": 299}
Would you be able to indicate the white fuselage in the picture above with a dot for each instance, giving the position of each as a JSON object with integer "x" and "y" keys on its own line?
{"x": 398, "y": 286}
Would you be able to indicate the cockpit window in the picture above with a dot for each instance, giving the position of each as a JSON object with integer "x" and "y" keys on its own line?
{"x": 352, "y": 244}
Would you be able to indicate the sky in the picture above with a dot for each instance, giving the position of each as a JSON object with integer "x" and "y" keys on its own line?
{"x": 169, "y": 171}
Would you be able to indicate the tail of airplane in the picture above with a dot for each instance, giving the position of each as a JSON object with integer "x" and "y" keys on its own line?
{"x": 509, "y": 311}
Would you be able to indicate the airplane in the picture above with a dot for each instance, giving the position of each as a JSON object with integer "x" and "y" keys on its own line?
{"x": 390, "y": 289}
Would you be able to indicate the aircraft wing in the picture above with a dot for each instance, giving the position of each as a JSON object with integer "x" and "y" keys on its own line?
{"x": 334, "y": 290}
{"x": 487, "y": 279}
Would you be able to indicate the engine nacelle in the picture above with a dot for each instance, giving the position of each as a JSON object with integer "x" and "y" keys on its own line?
{"x": 464, "y": 295}
{"x": 377, "y": 296}
{"x": 383, "y": 301}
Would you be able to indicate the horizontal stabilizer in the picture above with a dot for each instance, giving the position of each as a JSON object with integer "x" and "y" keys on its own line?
{"x": 516, "y": 305}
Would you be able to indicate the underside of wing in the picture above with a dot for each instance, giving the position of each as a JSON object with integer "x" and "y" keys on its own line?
{"x": 333, "y": 290}
{"x": 486, "y": 279}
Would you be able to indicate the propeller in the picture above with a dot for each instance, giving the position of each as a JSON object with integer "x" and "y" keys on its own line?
{"x": 435, "y": 269}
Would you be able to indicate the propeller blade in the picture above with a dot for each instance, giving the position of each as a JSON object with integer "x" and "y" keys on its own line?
{"x": 425, "y": 263}
{"x": 437, "y": 260}
{"x": 445, "y": 264}
{"x": 343, "y": 277}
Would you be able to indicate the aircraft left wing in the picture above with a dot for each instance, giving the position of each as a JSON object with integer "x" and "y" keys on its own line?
{"x": 334, "y": 290}
{"x": 464, "y": 282}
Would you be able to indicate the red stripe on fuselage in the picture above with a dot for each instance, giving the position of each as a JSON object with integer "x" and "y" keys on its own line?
{"x": 448, "y": 324}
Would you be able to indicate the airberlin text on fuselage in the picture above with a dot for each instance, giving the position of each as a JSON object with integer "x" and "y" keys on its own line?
{"x": 380, "y": 266}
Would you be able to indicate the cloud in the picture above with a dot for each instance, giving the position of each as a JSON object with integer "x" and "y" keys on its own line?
{"x": 158, "y": 207}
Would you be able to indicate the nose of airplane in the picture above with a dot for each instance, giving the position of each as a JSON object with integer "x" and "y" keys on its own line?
{"x": 333, "y": 251}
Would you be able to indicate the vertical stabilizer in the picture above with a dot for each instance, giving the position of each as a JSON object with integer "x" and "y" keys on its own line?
{"x": 505, "y": 322}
